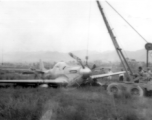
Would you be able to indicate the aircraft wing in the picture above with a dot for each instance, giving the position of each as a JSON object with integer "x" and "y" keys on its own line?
{"x": 21, "y": 81}
{"x": 106, "y": 75}
{"x": 59, "y": 80}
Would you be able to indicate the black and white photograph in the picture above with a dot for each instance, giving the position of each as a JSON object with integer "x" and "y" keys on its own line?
{"x": 75, "y": 60}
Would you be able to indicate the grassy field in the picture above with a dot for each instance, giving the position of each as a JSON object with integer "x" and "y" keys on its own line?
{"x": 86, "y": 103}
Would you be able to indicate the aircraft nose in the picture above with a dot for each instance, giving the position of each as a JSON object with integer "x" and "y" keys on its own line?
{"x": 85, "y": 71}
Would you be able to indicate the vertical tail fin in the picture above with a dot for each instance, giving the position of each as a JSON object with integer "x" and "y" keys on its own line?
{"x": 41, "y": 66}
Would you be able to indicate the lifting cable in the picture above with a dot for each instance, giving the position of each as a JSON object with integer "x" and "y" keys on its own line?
{"x": 126, "y": 21}
{"x": 88, "y": 36}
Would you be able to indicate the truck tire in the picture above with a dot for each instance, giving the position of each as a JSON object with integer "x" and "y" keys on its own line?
{"x": 114, "y": 89}
{"x": 136, "y": 91}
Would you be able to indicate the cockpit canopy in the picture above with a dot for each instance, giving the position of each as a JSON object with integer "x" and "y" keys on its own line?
{"x": 60, "y": 65}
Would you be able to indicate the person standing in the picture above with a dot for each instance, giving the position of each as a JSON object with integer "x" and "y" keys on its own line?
{"x": 140, "y": 71}
{"x": 109, "y": 71}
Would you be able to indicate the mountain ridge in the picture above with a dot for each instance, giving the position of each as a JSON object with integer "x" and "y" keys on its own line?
{"x": 54, "y": 56}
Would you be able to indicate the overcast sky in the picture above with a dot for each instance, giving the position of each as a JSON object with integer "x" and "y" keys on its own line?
{"x": 72, "y": 25}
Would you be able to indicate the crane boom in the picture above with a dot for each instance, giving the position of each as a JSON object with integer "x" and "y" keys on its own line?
{"x": 115, "y": 43}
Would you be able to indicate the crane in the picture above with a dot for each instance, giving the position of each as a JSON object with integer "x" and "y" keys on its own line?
{"x": 115, "y": 43}
{"x": 136, "y": 89}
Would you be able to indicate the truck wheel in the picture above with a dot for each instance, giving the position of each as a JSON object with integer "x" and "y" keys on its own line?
{"x": 136, "y": 91}
{"x": 114, "y": 89}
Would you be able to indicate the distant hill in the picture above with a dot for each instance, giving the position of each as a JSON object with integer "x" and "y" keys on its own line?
{"x": 139, "y": 55}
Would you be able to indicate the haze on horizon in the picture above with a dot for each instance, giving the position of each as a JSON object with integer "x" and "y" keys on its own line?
{"x": 72, "y": 25}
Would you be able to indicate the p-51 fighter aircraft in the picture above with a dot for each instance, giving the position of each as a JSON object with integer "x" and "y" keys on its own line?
{"x": 63, "y": 75}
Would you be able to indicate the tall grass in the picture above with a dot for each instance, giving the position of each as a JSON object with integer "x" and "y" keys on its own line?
{"x": 88, "y": 103}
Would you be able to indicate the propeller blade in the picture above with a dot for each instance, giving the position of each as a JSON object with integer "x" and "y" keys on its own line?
{"x": 93, "y": 67}
{"x": 77, "y": 59}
